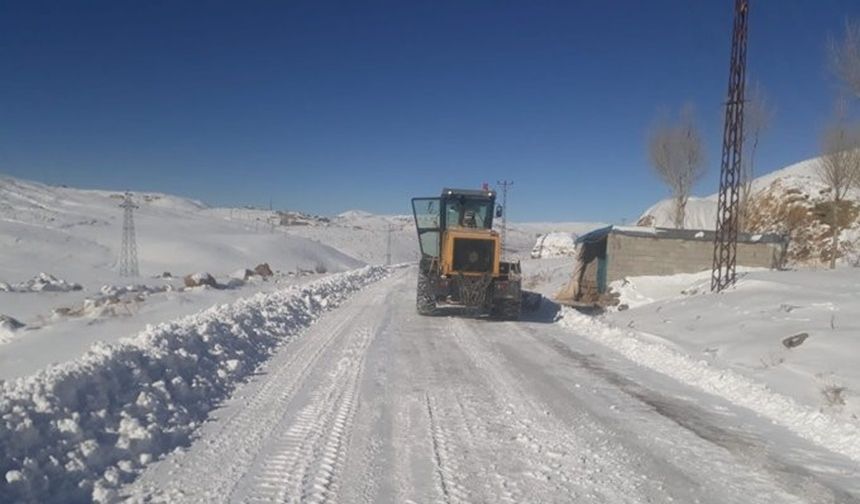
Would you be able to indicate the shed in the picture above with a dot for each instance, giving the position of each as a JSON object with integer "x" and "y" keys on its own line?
{"x": 615, "y": 252}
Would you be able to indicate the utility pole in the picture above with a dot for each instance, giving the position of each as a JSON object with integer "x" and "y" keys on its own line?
{"x": 728, "y": 211}
{"x": 128, "y": 255}
{"x": 388, "y": 245}
{"x": 505, "y": 184}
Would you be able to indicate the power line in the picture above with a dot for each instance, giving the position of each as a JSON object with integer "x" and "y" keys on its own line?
{"x": 128, "y": 255}
{"x": 505, "y": 184}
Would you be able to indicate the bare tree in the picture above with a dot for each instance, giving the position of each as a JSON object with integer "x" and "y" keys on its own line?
{"x": 839, "y": 169}
{"x": 844, "y": 56}
{"x": 676, "y": 153}
{"x": 758, "y": 114}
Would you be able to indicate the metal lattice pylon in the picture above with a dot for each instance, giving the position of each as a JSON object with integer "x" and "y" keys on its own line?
{"x": 388, "y": 245}
{"x": 728, "y": 211}
{"x": 128, "y": 256}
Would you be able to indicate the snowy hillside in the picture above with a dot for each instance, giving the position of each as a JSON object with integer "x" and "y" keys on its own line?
{"x": 702, "y": 212}
{"x": 366, "y": 236}
{"x": 60, "y": 291}
{"x": 790, "y": 201}
{"x": 76, "y": 235}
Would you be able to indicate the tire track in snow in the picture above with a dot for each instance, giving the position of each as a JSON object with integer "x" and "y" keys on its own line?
{"x": 363, "y": 473}
{"x": 211, "y": 473}
{"x": 461, "y": 447}
{"x": 255, "y": 421}
{"x": 303, "y": 465}
{"x": 445, "y": 466}
{"x": 554, "y": 461}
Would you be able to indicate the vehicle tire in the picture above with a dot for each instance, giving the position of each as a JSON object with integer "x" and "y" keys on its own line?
{"x": 507, "y": 309}
{"x": 425, "y": 301}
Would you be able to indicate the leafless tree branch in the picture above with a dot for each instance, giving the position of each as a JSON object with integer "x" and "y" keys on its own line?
{"x": 677, "y": 155}
{"x": 839, "y": 169}
{"x": 758, "y": 115}
{"x": 844, "y": 56}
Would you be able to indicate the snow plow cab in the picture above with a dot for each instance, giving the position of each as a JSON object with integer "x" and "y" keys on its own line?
{"x": 461, "y": 261}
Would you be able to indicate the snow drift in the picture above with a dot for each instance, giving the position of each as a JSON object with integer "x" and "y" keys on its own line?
{"x": 75, "y": 431}
{"x": 554, "y": 245}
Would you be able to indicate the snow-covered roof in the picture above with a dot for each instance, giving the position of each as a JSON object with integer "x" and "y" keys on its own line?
{"x": 674, "y": 234}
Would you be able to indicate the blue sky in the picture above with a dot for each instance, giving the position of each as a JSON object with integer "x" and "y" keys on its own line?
{"x": 327, "y": 106}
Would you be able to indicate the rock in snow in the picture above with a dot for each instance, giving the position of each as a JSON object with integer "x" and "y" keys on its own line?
{"x": 41, "y": 282}
{"x": 263, "y": 270}
{"x": 9, "y": 323}
{"x": 8, "y": 326}
{"x": 795, "y": 341}
{"x": 200, "y": 279}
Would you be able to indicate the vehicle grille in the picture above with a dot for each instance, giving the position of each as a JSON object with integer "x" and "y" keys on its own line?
{"x": 473, "y": 256}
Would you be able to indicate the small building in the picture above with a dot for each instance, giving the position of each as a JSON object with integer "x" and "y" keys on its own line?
{"x": 615, "y": 252}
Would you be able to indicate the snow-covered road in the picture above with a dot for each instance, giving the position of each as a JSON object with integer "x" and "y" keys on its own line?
{"x": 376, "y": 404}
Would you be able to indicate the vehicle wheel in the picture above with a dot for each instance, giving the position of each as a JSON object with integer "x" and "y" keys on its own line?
{"x": 425, "y": 302}
{"x": 507, "y": 309}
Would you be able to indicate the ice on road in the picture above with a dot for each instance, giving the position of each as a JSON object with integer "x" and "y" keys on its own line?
{"x": 377, "y": 404}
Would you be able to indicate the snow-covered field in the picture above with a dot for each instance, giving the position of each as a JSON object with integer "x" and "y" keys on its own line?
{"x": 76, "y": 234}
{"x": 746, "y": 328}
{"x": 58, "y": 275}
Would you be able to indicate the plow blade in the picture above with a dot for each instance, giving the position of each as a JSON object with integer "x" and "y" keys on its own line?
{"x": 531, "y": 301}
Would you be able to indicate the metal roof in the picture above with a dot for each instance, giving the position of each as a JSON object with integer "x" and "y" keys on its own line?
{"x": 674, "y": 234}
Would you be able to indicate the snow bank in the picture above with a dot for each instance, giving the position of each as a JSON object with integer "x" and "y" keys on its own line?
{"x": 42, "y": 282}
{"x": 809, "y": 423}
{"x": 73, "y": 432}
{"x": 554, "y": 245}
{"x": 638, "y": 291}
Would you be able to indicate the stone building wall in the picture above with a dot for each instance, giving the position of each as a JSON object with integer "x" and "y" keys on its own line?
{"x": 646, "y": 255}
